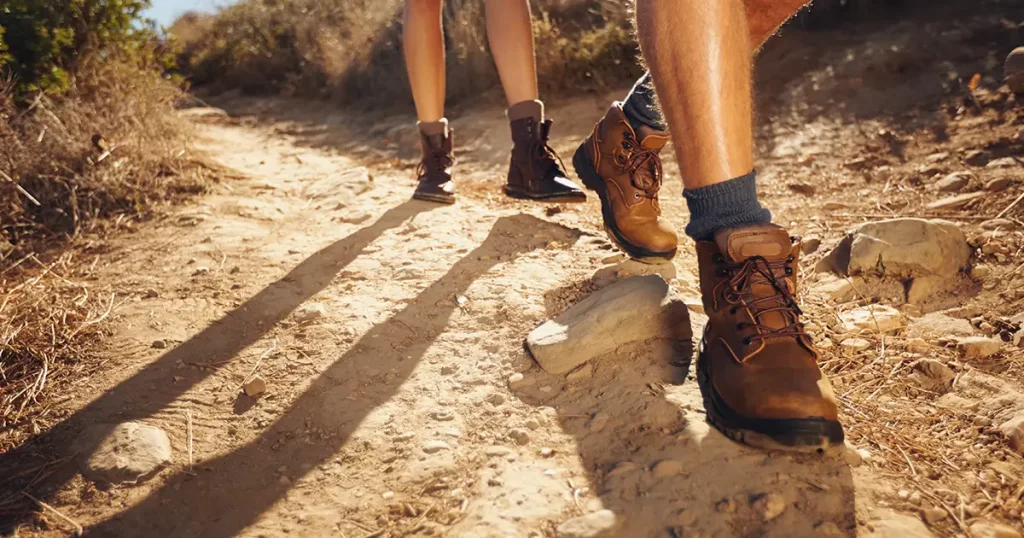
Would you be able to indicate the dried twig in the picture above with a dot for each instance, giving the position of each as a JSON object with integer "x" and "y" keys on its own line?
{"x": 1009, "y": 207}
{"x": 78, "y": 528}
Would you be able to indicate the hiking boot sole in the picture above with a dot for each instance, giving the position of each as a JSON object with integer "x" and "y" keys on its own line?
{"x": 585, "y": 170}
{"x": 436, "y": 198}
{"x": 793, "y": 435}
{"x": 564, "y": 197}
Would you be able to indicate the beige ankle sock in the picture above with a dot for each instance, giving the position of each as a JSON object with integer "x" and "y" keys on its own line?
{"x": 434, "y": 128}
{"x": 526, "y": 109}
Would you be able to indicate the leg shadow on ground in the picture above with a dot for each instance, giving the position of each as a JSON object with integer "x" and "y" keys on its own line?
{"x": 653, "y": 460}
{"x": 148, "y": 391}
{"x": 238, "y": 487}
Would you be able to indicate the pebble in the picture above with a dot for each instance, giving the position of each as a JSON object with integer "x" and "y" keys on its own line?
{"x": 917, "y": 345}
{"x": 434, "y": 446}
{"x": 402, "y": 437}
{"x": 442, "y": 415}
{"x": 496, "y": 399}
{"x": 520, "y": 436}
{"x": 954, "y": 182}
{"x": 602, "y": 523}
{"x": 872, "y": 318}
{"x": 981, "y": 272}
{"x": 598, "y": 422}
{"x": 497, "y": 451}
{"x": 810, "y": 245}
{"x": 991, "y": 529}
{"x": 580, "y": 374}
{"x": 532, "y": 424}
{"x": 727, "y": 506}
{"x": 519, "y": 381}
{"x": 255, "y": 387}
{"x": 855, "y": 344}
{"x": 284, "y": 480}
{"x": 933, "y": 515}
{"x": 1003, "y": 162}
{"x": 310, "y": 312}
{"x": 770, "y": 506}
{"x": 915, "y": 497}
{"x": 999, "y": 184}
{"x": 903, "y": 494}
{"x": 667, "y": 468}
{"x": 547, "y": 452}
{"x": 977, "y": 347}
{"x": 388, "y": 495}
{"x": 159, "y": 344}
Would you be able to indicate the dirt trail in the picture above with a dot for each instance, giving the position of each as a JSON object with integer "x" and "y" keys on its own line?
{"x": 388, "y": 330}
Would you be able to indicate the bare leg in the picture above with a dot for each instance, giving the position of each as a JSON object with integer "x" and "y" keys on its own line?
{"x": 423, "y": 45}
{"x": 510, "y": 34}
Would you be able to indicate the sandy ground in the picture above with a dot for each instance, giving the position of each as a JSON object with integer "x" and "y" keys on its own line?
{"x": 387, "y": 331}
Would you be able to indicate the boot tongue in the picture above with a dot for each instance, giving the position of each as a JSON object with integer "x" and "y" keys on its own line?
{"x": 651, "y": 139}
{"x": 768, "y": 241}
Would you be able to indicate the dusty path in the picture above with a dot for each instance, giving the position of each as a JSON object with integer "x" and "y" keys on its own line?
{"x": 388, "y": 331}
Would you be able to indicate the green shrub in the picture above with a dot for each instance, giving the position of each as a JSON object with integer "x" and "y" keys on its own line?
{"x": 43, "y": 41}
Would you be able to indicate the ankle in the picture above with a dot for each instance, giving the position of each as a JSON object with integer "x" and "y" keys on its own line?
{"x": 434, "y": 128}
{"x": 533, "y": 108}
{"x": 729, "y": 204}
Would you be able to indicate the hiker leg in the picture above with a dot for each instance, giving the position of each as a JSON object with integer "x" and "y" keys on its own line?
{"x": 423, "y": 45}
{"x": 510, "y": 34}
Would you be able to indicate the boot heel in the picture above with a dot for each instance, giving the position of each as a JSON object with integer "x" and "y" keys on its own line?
{"x": 585, "y": 170}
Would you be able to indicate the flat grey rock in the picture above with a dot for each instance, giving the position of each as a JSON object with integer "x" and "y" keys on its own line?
{"x": 906, "y": 248}
{"x": 630, "y": 310}
{"x": 129, "y": 452}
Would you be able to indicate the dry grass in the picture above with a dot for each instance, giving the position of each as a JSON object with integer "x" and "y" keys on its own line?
{"x": 350, "y": 50}
{"x": 58, "y": 189}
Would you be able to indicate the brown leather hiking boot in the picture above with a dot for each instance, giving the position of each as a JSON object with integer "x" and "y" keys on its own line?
{"x": 435, "y": 170}
{"x": 536, "y": 171}
{"x": 624, "y": 168}
{"x": 757, "y": 367}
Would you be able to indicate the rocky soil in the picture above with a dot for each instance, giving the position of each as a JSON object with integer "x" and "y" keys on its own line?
{"x": 307, "y": 352}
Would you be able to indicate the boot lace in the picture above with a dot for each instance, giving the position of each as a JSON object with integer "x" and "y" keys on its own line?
{"x": 642, "y": 164}
{"x": 739, "y": 293}
{"x": 435, "y": 162}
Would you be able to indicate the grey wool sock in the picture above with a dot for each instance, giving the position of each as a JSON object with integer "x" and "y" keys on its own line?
{"x": 641, "y": 106}
{"x": 724, "y": 205}
{"x": 526, "y": 109}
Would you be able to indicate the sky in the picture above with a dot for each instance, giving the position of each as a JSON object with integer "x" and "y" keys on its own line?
{"x": 166, "y": 11}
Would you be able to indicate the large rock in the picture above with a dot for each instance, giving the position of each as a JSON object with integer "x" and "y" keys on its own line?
{"x": 904, "y": 248}
{"x": 955, "y": 182}
{"x": 938, "y": 324}
{"x": 1013, "y": 69}
{"x": 128, "y": 453}
{"x": 600, "y": 524}
{"x": 977, "y": 347}
{"x": 630, "y": 310}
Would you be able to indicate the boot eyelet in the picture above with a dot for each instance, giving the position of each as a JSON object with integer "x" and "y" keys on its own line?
{"x": 790, "y": 259}
{"x": 747, "y": 341}
{"x": 733, "y": 311}
{"x": 789, "y": 271}
{"x": 722, "y": 272}
{"x": 741, "y": 326}
{"x": 636, "y": 195}
{"x": 717, "y": 259}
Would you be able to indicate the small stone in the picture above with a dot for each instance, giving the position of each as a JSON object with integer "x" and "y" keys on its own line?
{"x": 284, "y": 480}
{"x": 915, "y": 497}
{"x": 999, "y": 184}
{"x": 519, "y": 381}
{"x": 981, "y": 271}
{"x": 598, "y": 422}
{"x": 255, "y": 386}
{"x": 802, "y": 188}
{"x": 387, "y": 495}
{"x": 442, "y": 415}
{"x": 903, "y": 494}
{"x": 991, "y": 529}
{"x": 955, "y": 182}
{"x": 600, "y": 524}
{"x": 520, "y": 436}
{"x": 977, "y": 347}
{"x": 1013, "y": 70}
{"x": 495, "y": 482}
{"x": 996, "y": 224}
{"x": 497, "y": 451}
{"x": 150, "y": 294}
{"x": 667, "y": 468}
{"x": 810, "y": 245}
{"x": 726, "y": 506}
{"x": 201, "y": 270}
{"x": 855, "y": 344}
{"x": 159, "y": 344}
{"x": 496, "y": 399}
{"x": 532, "y": 424}
{"x": 1003, "y": 162}
{"x": 435, "y": 446}
{"x": 129, "y": 452}
{"x": 955, "y": 202}
{"x": 932, "y": 375}
{"x": 356, "y": 217}
{"x": 770, "y": 506}
{"x": 310, "y": 312}
{"x": 547, "y": 452}
{"x": 917, "y": 345}
{"x": 933, "y": 515}
{"x": 402, "y": 437}
{"x": 874, "y": 318}
{"x": 976, "y": 157}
